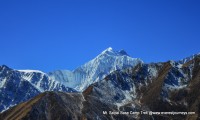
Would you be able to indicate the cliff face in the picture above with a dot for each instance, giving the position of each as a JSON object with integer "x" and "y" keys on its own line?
{"x": 159, "y": 87}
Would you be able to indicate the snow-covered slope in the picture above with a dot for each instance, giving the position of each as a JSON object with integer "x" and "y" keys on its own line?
{"x": 95, "y": 70}
{"x": 42, "y": 81}
{"x": 20, "y": 85}
{"x": 14, "y": 89}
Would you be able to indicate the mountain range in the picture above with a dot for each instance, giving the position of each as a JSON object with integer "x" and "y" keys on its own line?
{"x": 111, "y": 86}
{"x": 20, "y": 85}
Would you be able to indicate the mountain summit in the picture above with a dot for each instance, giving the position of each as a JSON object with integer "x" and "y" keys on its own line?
{"x": 96, "y": 69}
{"x": 110, "y": 51}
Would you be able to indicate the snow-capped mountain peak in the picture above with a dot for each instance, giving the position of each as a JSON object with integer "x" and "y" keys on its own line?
{"x": 107, "y": 51}
{"x": 110, "y": 51}
{"x": 96, "y": 69}
{"x": 31, "y": 71}
{"x": 20, "y": 85}
{"x": 4, "y": 68}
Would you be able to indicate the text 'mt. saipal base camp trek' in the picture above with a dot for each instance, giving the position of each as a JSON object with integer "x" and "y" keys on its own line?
{"x": 111, "y": 86}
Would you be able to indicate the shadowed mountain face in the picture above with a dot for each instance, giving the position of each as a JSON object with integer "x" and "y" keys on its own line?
{"x": 18, "y": 86}
{"x": 158, "y": 87}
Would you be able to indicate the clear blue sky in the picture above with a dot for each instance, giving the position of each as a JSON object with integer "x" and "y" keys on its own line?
{"x": 64, "y": 34}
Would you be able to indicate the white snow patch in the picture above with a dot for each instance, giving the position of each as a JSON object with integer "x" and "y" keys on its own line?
{"x": 31, "y": 71}
{"x": 2, "y": 82}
